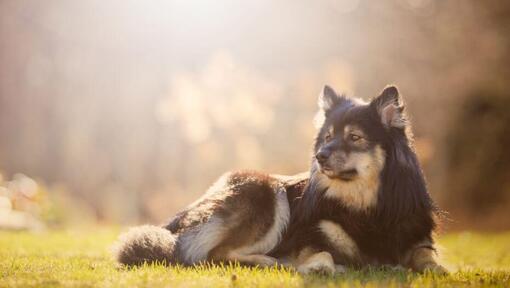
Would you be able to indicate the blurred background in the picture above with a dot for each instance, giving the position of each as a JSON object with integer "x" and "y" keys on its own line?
{"x": 126, "y": 111}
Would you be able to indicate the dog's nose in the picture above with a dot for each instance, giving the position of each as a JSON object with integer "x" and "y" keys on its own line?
{"x": 322, "y": 156}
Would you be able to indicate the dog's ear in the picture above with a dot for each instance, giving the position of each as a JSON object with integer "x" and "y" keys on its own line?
{"x": 390, "y": 107}
{"x": 328, "y": 99}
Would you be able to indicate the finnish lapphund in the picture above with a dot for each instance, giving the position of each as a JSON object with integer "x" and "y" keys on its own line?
{"x": 363, "y": 202}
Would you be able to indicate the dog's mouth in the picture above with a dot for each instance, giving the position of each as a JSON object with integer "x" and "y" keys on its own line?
{"x": 345, "y": 175}
{"x": 348, "y": 175}
{"x": 326, "y": 170}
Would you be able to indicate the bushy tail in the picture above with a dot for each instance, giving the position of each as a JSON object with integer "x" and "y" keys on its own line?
{"x": 145, "y": 244}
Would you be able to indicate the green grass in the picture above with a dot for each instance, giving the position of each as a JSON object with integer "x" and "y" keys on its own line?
{"x": 81, "y": 258}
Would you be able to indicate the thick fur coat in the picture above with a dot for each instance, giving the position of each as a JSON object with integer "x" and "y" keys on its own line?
{"x": 364, "y": 202}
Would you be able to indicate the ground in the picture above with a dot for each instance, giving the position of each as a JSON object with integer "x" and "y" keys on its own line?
{"x": 81, "y": 258}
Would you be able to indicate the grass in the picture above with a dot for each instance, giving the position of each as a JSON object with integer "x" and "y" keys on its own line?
{"x": 81, "y": 258}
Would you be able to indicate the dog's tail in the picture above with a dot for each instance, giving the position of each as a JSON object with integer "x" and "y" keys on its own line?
{"x": 145, "y": 244}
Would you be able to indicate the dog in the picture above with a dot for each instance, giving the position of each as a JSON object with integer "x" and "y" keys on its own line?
{"x": 364, "y": 202}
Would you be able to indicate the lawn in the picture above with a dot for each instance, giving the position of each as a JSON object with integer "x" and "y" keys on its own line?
{"x": 81, "y": 258}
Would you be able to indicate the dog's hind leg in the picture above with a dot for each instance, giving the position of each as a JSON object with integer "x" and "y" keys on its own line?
{"x": 223, "y": 255}
{"x": 260, "y": 216}
{"x": 255, "y": 260}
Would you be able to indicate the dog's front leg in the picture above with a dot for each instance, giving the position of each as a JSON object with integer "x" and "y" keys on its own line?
{"x": 422, "y": 257}
{"x": 310, "y": 260}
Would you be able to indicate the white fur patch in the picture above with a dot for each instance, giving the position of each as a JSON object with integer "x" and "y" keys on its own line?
{"x": 339, "y": 238}
{"x": 273, "y": 236}
{"x": 194, "y": 245}
{"x": 361, "y": 192}
{"x": 290, "y": 179}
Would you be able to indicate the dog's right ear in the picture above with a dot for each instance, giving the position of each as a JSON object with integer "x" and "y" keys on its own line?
{"x": 328, "y": 99}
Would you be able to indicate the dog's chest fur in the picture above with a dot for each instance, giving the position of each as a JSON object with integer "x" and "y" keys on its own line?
{"x": 354, "y": 237}
{"x": 366, "y": 237}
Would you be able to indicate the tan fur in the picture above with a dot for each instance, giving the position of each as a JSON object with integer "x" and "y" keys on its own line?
{"x": 303, "y": 255}
{"x": 361, "y": 192}
{"x": 340, "y": 239}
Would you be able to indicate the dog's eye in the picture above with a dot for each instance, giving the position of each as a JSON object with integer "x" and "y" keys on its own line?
{"x": 354, "y": 137}
{"x": 328, "y": 137}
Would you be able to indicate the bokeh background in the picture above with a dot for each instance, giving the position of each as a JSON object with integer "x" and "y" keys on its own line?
{"x": 126, "y": 111}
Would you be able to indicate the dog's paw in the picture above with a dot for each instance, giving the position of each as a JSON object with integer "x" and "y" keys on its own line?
{"x": 435, "y": 268}
{"x": 395, "y": 268}
{"x": 265, "y": 261}
{"x": 340, "y": 269}
{"x": 317, "y": 268}
{"x": 320, "y": 263}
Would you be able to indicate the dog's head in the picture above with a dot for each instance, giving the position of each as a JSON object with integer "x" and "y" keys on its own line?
{"x": 353, "y": 139}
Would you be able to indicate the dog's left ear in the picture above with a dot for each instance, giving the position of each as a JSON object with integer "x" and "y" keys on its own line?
{"x": 390, "y": 107}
